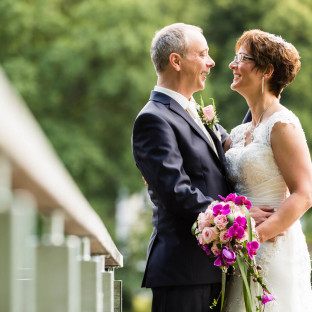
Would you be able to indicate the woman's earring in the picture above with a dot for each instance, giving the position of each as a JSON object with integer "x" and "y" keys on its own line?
{"x": 262, "y": 84}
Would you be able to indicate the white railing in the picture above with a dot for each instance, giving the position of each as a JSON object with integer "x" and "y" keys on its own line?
{"x": 29, "y": 163}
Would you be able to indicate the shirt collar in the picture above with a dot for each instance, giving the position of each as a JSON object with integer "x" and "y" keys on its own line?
{"x": 178, "y": 97}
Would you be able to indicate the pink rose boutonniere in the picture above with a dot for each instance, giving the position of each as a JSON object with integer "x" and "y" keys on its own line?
{"x": 208, "y": 113}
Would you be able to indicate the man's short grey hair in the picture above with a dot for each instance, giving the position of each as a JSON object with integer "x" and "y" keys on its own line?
{"x": 170, "y": 39}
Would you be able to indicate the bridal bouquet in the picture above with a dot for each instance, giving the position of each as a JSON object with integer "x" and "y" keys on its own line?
{"x": 226, "y": 232}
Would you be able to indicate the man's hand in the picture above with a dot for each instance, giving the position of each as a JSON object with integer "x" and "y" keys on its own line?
{"x": 260, "y": 213}
{"x": 274, "y": 239}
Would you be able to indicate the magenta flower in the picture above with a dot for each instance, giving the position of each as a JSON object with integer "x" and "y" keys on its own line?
{"x": 252, "y": 248}
{"x": 236, "y": 231}
{"x": 266, "y": 297}
{"x": 241, "y": 221}
{"x": 230, "y": 197}
{"x": 205, "y": 248}
{"x": 242, "y": 200}
{"x": 225, "y": 258}
{"x": 220, "y": 209}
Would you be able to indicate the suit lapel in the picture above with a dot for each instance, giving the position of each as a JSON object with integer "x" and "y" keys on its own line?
{"x": 218, "y": 146}
{"x": 178, "y": 109}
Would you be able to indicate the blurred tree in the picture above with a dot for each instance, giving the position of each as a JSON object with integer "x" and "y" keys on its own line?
{"x": 226, "y": 22}
{"x": 84, "y": 69}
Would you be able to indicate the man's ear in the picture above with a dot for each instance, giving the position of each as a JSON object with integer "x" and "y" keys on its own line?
{"x": 175, "y": 61}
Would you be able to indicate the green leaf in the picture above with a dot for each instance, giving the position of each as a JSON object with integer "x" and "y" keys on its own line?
{"x": 230, "y": 218}
{"x": 246, "y": 211}
{"x": 213, "y": 103}
{"x": 194, "y": 226}
{"x": 202, "y": 104}
{"x": 223, "y": 288}
{"x": 246, "y": 287}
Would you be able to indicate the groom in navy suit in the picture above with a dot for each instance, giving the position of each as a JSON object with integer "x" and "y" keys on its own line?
{"x": 184, "y": 166}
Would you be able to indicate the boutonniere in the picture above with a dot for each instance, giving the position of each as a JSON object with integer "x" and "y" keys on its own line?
{"x": 208, "y": 113}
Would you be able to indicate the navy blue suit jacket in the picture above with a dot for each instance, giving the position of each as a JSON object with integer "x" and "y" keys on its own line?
{"x": 184, "y": 176}
{"x": 248, "y": 117}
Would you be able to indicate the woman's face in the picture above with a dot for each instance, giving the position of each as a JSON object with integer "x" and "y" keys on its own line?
{"x": 247, "y": 80}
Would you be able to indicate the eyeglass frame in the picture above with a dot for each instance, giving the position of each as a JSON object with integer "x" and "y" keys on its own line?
{"x": 242, "y": 58}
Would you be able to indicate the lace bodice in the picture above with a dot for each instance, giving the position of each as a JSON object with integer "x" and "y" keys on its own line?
{"x": 254, "y": 173}
{"x": 252, "y": 169}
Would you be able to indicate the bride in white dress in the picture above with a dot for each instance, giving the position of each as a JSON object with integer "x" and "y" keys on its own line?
{"x": 268, "y": 161}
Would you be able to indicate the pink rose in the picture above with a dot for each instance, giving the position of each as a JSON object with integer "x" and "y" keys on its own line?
{"x": 221, "y": 221}
{"x": 238, "y": 211}
{"x": 224, "y": 238}
{"x": 215, "y": 202}
{"x": 233, "y": 206}
{"x": 209, "y": 215}
{"x": 209, "y": 113}
{"x": 200, "y": 239}
{"x": 215, "y": 250}
{"x": 209, "y": 234}
{"x": 203, "y": 221}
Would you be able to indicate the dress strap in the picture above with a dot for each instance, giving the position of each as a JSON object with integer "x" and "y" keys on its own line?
{"x": 284, "y": 116}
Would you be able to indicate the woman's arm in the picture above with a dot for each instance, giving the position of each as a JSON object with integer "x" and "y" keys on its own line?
{"x": 292, "y": 157}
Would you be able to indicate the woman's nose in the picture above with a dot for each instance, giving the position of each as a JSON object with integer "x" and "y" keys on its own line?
{"x": 232, "y": 64}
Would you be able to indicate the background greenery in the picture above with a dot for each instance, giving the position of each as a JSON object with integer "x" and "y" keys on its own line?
{"x": 84, "y": 69}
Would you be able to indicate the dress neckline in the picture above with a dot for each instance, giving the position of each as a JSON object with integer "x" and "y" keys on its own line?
{"x": 260, "y": 125}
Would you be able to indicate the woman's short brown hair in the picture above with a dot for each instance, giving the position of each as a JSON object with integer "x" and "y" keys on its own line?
{"x": 268, "y": 49}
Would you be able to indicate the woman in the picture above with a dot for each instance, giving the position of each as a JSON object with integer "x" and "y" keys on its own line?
{"x": 268, "y": 161}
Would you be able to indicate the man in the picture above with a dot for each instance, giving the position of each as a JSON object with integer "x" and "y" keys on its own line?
{"x": 184, "y": 166}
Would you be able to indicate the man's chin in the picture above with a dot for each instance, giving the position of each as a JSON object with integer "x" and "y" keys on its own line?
{"x": 199, "y": 88}
{"x": 202, "y": 87}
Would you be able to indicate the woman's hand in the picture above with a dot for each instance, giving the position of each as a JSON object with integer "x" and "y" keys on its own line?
{"x": 227, "y": 144}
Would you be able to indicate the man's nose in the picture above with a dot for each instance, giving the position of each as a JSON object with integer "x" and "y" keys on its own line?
{"x": 210, "y": 62}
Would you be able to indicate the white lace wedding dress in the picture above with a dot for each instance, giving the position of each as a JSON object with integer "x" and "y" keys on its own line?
{"x": 286, "y": 263}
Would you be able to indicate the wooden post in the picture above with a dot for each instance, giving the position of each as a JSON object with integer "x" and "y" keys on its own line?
{"x": 91, "y": 281}
{"x": 17, "y": 256}
{"x": 108, "y": 289}
{"x": 5, "y": 235}
{"x": 58, "y": 272}
{"x": 23, "y": 224}
{"x": 117, "y": 296}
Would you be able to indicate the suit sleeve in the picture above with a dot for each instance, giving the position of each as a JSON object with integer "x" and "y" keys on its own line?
{"x": 158, "y": 157}
{"x": 223, "y": 132}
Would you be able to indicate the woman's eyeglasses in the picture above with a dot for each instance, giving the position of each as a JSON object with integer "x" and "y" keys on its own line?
{"x": 241, "y": 57}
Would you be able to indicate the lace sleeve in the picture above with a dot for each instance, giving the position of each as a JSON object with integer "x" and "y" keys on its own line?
{"x": 284, "y": 116}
